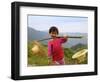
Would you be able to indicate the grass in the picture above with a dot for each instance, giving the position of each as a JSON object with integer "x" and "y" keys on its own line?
{"x": 41, "y": 58}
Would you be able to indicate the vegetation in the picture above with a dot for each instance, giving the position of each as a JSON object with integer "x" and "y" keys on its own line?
{"x": 41, "y": 58}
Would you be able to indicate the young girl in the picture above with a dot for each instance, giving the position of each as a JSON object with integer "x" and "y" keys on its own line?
{"x": 55, "y": 50}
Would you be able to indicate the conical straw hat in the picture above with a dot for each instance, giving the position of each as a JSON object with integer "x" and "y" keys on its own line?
{"x": 38, "y": 48}
{"x": 80, "y": 53}
{"x": 35, "y": 49}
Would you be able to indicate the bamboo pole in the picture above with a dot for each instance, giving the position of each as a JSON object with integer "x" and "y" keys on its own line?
{"x": 77, "y": 37}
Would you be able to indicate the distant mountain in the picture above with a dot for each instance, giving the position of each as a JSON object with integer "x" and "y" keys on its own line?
{"x": 79, "y": 47}
{"x": 73, "y": 41}
{"x": 33, "y": 34}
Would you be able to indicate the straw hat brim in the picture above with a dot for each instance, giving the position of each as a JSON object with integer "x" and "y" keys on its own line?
{"x": 80, "y": 53}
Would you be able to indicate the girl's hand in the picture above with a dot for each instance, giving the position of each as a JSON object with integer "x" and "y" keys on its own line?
{"x": 49, "y": 60}
{"x": 65, "y": 36}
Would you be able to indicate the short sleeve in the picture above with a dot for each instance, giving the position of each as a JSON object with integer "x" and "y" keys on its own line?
{"x": 63, "y": 40}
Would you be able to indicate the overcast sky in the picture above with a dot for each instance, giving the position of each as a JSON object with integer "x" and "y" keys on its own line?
{"x": 64, "y": 24}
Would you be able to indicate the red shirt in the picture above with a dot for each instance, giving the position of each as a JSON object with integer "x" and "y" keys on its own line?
{"x": 55, "y": 49}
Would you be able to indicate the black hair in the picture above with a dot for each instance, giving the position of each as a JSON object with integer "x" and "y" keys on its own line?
{"x": 53, "y": 29}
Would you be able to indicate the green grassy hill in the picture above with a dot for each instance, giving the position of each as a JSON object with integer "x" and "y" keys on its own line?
{"x": 41, "y": 58}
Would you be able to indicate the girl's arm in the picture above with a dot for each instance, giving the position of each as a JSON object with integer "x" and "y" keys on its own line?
{"x": 49, "y": 54}
{"x": 64, "y": 39}
{"x": 49, "y": 50}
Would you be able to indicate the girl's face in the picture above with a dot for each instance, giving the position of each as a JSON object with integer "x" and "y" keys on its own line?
{"x": 53, "y": 34}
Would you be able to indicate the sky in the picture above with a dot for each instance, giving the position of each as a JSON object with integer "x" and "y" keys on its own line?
{"x": 63, "y": 23}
